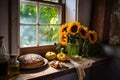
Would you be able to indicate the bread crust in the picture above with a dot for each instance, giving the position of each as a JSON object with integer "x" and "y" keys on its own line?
{"x": 31, "y": 61}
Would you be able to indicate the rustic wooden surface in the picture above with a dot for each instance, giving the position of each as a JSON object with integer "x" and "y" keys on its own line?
{"x": 41, "y": 72}
{"x": 46, "y": 72}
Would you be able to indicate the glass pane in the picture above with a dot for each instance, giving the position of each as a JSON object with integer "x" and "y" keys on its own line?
{"x": 48, "y": 15}
{"x": 27, "y": 36}
{"x": 48, "y": 35}
{"x": 51, "y": 0}
{"x": 27, "y": 13}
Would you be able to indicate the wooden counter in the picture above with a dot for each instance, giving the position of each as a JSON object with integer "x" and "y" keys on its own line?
{"x": 46, "y": 72}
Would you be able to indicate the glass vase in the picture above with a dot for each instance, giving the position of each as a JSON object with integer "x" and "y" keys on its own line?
{"x": 85, "y": 51}
{"x": 73, "y": 50}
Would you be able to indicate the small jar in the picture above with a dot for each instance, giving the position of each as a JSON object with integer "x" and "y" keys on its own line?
{"x": 13, "y": 66}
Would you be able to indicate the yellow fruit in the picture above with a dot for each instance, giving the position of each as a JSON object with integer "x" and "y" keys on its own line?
{"x": 50, "y": 55}
{"x": 61, "y": 56}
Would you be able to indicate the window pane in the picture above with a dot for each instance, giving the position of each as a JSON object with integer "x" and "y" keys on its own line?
{"x": 27, "y": 13}
{"x": 27, "y": 36}
{"x": 48, "y": 35}
{"x": 51, "y": 0}
{"x": 48, "y": 15}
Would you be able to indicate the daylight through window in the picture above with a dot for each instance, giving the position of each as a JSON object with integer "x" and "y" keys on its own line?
{"x": 39, "y": 23}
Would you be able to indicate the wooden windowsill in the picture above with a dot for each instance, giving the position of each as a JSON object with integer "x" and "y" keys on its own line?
{"x": 47, "y": 72}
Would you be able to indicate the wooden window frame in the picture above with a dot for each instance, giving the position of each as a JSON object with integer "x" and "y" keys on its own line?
{"x": 43, "y": 49}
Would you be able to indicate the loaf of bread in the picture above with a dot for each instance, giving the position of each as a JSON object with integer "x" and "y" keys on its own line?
{"x": 31, "y": 60}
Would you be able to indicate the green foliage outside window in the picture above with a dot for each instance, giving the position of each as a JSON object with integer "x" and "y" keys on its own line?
{"x": 52, "y": 0}
{"x": 47, "y": 15}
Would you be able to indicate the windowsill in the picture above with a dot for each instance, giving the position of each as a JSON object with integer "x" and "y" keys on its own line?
{"x": 42, "y": 72}
{"x": 48, "y": 72}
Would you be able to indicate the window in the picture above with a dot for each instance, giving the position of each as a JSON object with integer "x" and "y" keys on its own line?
{"x": 39, "y": 22}
{"x": 52, "y": 0}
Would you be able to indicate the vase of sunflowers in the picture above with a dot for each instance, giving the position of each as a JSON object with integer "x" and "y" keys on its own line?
{"x": 76, "y": 38}
{"x": 73, "y": 49}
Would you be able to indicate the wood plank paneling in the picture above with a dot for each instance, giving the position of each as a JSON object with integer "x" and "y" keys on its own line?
{"x": 97, "y": 17}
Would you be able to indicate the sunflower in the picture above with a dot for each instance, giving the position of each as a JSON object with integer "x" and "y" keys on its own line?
{"x": 92, "y": 37}
{"x": 83, "y": 31}
{"x": 63, "y": 39}
{"x": 63, "y": 28}
{"x": 73, "y": 28}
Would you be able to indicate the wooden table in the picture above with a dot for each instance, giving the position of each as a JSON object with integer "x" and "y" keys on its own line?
{"x": 46, "y": 72}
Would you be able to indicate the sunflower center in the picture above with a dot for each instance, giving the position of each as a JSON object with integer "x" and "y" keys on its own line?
{"x": 74, "y": 28}
{"x": 92, "y": 36}
{"x": 65, "y": 29}
{"x": 82, "y": 32}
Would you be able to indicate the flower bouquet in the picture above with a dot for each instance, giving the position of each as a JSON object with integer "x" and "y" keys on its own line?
{"x": 76, "y": 38}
